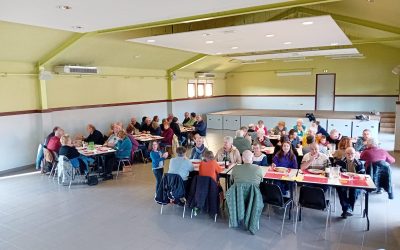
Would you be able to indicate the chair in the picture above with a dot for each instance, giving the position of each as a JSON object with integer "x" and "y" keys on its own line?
{"x": 171, "y": 191}
{"x": 204, "y": 195}
{"x": 313, "y": 198}
{"x": 66, "y": 172}
{"x": 54, "y": 162}
{"x": 272, "y": 195}
{"x": 122, "y": 162}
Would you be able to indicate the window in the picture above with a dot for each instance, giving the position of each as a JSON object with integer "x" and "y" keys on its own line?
{"x": 200, "y": 88}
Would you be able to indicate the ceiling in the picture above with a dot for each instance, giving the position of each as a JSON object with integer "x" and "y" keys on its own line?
{"x": 92, "y": 15}
{"x": 286, "y": 34}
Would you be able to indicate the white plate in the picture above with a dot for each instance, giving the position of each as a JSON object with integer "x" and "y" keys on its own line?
{"x": 316, "y": 171}
{"x": 195, "y": 161}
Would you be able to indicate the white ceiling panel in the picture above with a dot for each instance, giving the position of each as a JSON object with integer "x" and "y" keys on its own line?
{"x": 278, "y": 35}
{"x": 299, "y": 54}
{"x": 93, "y": 15}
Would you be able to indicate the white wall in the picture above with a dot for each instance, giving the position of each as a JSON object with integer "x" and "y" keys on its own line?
{"x": 381, "y": 104}
{"x": 201, "y": 106}
{"x": 270, "y": 102}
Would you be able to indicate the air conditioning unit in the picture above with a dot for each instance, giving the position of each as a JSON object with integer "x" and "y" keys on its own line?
{"x": 204, "y": 75}
{"x": 77, "y": 70}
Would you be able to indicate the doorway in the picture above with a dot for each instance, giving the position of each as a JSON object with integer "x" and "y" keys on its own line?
{"x": 325, "y": 92}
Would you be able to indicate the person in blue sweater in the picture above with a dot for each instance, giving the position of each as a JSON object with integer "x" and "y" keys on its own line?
{"x": 157, "y": 162}
{"x": 200, "y": 126}
{"x": 123, "y": 146}
{"x": 259, "y": 158}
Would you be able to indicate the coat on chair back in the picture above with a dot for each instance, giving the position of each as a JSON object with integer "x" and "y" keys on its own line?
{"x": 204, "y": 194}
{"x": 171, "y": 189}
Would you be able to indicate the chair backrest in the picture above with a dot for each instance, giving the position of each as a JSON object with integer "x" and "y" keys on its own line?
{"x": 312, "y": 197}
{"x": 272, "y": 194}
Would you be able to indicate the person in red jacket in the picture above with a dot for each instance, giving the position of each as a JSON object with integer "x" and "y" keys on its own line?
{"x": 373, "y": 153}
{"x": 168, "y": 135}
{"x": 54, "y": 143}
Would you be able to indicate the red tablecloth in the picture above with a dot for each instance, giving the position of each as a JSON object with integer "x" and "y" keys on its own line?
{"x": 275, "y": 175}
{"x": 316, "y": 179}
{"x": 354, "y": 182}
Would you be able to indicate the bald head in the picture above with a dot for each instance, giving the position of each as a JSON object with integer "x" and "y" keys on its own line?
{"x": 350, "y": 153}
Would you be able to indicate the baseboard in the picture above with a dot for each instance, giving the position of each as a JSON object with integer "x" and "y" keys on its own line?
{"x": 18, "y": 169}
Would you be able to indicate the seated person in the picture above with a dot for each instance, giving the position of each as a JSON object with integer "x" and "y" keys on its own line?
{"x": 334, "y": 138}
{"x": 348, "y": 196}
{"x": 54, "y": 143}
{"x": 323, "y": 145}
{"x": 321, "y": 130}
{"x": 176, "y": 128}
{"x": 113, "y": 138}
{"x": 246, "y": 134}
{"x": 155, "y": 128}
{"x": 170, "y": 117}
{"x": 294, "y": 139}
{"x": 314, "y": 159}
{"x": 180, "y": 165}
{"x": 310, "y": 139}
{"x": 362, "y": 140}
{"x": 285, "y": 157}
{"x": 94, "y": 136}
{"x": 199, "y": 149}
{"x": 299, "y": 128}
{"x": 191, "y": 121}
{"x": 372, "y": 153}
{"x": 261, "y": 126}
{"x": 280, "y": 129}
{"x": 135, "y": 124}
{"x": 311, "y": 131}
{"x": 343, "y": 144}
{"x": 77, "y": 160}
{"x": 240, "y": 142}
{"x": 46, "y": 141}
{"x": 247, "y": 172}
{"x": 123, "y": 146}
{"x": 186, "y": 118}
{"x": 252, "y": 128}
{"x": 168, "y": 135}
{"x": 229, "y": 152}
{"x": 110, "y": 131}
{"x": 200, "y": 126}
{"x": 263, "y": 140}
{"x": 209, "y": 167}
{"x": 146, "y": 126}
{"x": 163, "y": 122}
{"x": 135, "y": 144}
{"x": 278, "y": 146}
{"x": 259, "y": 158}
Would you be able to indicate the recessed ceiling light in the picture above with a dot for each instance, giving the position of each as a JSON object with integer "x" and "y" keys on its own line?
{"x": 209, "y": 42}
{"x": 77, "y": 27}
{"x": 136, "y": 56}
{"x": 229, "y": 31}
{"x": 206, "y": 34}
{"x": 234, "y": 47}
{"x": 151, "y": 41}
{"x": 269, "y": 35}
{"x": 334, "y": 44}
{"x": 287, "y": 43}
{"x": 307, "y": 23}
{"x": 64, "y": 7}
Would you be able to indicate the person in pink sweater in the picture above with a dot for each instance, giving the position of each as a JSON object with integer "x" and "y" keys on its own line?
{"x": 373, "y": 153}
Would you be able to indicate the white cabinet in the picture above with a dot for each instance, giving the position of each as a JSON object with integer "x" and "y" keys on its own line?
{"x": 359, "y": 126}
{"x": 341, "y": 125}
{"x": 231, "y": 122}
{"x": 214, "y": 121}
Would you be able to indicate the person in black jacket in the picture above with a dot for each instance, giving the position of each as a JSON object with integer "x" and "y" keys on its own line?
{"x": 95, "y": 136}
{"x": 146, "y": 126}
{"x": 348, "y": 196}
{"x": 176, "y": 128}
{"x": 134, "y": 123}
{"x": 187, "y": 118}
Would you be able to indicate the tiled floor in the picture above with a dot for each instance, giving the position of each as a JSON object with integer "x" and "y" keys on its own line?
{"x": 37, "y": 213}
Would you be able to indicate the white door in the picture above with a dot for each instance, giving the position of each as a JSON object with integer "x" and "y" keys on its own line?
{"x": 214, "y": 121}
{"x": 325, "y": 92}
{"x": 231, "y": 122}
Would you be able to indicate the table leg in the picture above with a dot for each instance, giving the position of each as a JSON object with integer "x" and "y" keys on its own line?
{"x": 366, "y": 209}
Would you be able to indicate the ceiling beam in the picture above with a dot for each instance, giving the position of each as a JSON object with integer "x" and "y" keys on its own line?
{"x": 352, "y": 20}
{"x": 208, "y": 16}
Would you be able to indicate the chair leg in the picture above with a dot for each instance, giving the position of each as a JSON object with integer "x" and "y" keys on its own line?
{"x": 327, "y": 220}
{"x": 119, "y": 163}
{"x": 283, "y": 220}
{"x": 215, "y": 217}
{"x": 55, "y": 172}
{"x": 296, "y": 219}
{"x": 184, "y": 210}
{"x": 268, "y": 211}
{"x": 191, "y": 214}
{"x": 161, "y": 208}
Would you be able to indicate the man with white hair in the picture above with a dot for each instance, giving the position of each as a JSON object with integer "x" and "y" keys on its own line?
{"x": 362, "y": 140}
{"x": 373, "y": 153}
{"x": 240, "y": 142}
{"x": 247, "y": 172}
{"x": 229, "y": 152}
{"x": 334, "y": 137}
{"x": 54, "y": 143}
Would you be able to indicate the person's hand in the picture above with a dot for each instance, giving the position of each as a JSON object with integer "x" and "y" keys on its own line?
{"x": 273, "y": 165}
{"x": 165, "y": 155}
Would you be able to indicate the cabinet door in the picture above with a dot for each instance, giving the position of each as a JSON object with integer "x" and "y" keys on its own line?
{"x": 359, "y": 126}
{"x": 214, "y": 121}
{"x": 231, "y": 122}
{"x": 341, "y": 125}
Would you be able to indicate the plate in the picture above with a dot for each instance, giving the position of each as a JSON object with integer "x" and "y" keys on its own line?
{"x": 315, "y": 171}
{"x": 195, "y": 161}
{"x": 222, "y": 163}
{"x": 281, "y": 169}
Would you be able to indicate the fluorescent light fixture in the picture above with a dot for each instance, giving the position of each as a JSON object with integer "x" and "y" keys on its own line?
{"x": 234, "y": 47}
{"x": 269, "y": 35}
{"x": 334, "y": 44}
{"x": 293, "y": 73}
{"x": 206, "y": 34}
{"x": 307, "y": 23}
{"x": 287, "y": 43}
{"x": 209, "y": 42}
{"x": 151, "y": 41}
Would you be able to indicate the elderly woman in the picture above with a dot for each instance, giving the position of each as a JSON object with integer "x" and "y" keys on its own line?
{"x": 263, "y": 140}
{"x": 155, "y": 128}
{"x": 280, "y": 129}
{"x": 229, "y": 152}
{"x": 168, "y": 135}
{"x": 261, "y": 126}
{"x": 299, "y": 128}
{"x": 123, "y": 146}
{"x": 146, "y": 125}
{"x": 77, "y": 160}
{"x": 199, "y": 149}
{"x": 259, "y": 158}
{"x": 343, "y": 144}
{"x": 113, "y": 138}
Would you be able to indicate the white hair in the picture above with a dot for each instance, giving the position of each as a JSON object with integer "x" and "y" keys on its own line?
{"x": 228, "y": 139}
{"x": 372, "y": 142}
{"x": 300, "y": 120}
{"x": 239, "y": 133}
{"x": 247, "y": 156}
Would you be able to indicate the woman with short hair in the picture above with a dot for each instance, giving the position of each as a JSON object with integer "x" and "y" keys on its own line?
{"x": 259, "y": 158}
{"x": 209, "y": 167}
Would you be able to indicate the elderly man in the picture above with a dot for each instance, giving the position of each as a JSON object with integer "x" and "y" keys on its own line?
{"x": 191, "y": 121}
{"x": 180, "y": 165}
{"x": 134, "y": 123}
{"x": 348, "y": 196}
{"x": 94, "y": 136}
{"x": 373, "y": 153}
{"x": 362, "y": 140}
{"x": 314, "y": 159}
{"x": 200, "y": 126}
{"x": 248, "y": 135}
{"x": 247, "y": 172}
{"x": 54, "y": 143}
{"x": 334, "y": 137}
{"x": 229, "y": 152}
{"x": 146, "y": 126}
{"x": 240, "y": 142}
{"x": 186, "y": 119}
{"x": 199, "y": 149}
